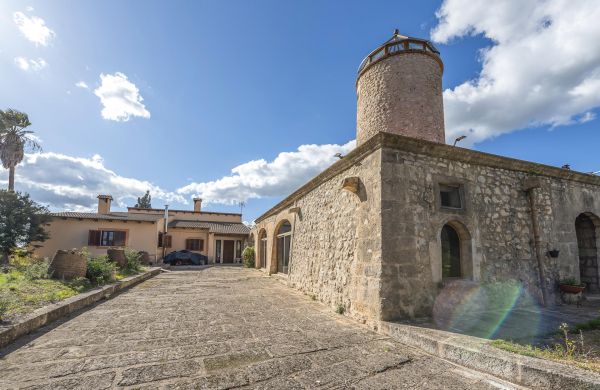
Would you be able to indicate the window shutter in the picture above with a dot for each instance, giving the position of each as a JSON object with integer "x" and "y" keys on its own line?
{"x": 188, "y": 244}
{"x": 167, "y": 241}
{"x": 94, "y": 237}
{"x": 160, "y": 240}
{"x": 201, "y": 245}
{"x": 119, "y": 238}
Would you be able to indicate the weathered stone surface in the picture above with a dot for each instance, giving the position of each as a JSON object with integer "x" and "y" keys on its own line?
{"x": 401, "y": 94}
{"x": 204, "y": 330}
{"x": 118, "y": 256}
{"x": 68, "y": 265}
{"x": 378, "y": 256}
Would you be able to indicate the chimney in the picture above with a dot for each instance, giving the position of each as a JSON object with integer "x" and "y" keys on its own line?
{"x": 104, "y": 204}
{"x": 197, "y": 205}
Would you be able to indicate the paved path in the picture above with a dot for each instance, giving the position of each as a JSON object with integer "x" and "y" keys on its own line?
{"x": 221, "y": 328}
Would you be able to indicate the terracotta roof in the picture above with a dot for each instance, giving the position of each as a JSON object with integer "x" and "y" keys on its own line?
{"x": 213, "y": 227}
{"x": 162, "y": 211}
{"x": 116, "y": 215}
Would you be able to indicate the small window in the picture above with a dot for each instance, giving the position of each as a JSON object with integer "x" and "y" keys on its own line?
{"x": 164, "y": 239}
{"x": 450, "y": 196}
{"x": 107, "y": 238}
{"x": 194, "y": 244}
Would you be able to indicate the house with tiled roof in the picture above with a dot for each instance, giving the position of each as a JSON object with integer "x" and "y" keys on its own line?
{"x": 219, "y": 236}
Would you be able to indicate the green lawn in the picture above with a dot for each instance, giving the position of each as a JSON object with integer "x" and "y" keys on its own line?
{"x": 20, "y": 294}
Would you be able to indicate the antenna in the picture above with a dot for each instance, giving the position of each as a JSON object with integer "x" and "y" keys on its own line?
{"x": 242, "y": 205}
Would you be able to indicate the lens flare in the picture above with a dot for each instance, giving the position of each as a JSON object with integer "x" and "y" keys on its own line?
{"x": 491, "y": 310}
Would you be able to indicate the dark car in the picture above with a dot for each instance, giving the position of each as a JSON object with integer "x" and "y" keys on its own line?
{"x": 185, "y": 258}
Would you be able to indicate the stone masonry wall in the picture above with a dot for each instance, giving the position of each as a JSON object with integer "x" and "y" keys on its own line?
{"x": 336, "y": 242}
{"x": 401, "y": 94}
{"x": 495, "y": 223}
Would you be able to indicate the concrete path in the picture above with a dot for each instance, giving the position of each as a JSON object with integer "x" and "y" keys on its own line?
{"x": 221, "y": 327}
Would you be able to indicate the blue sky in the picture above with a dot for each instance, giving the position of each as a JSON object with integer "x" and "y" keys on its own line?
{"x": 229, "y": 84}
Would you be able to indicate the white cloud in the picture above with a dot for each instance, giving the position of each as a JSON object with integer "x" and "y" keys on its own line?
{"x": 72, "y": 183}
{"x": 82, "y": 84}
{"x": 30, "y": 9}
{"x": 34, "y": 28}
{"x": 260, "y": 178}
{"x": 542, "y": 68}
{"x": 30, "y": 64}
{"x": 120, "y": 98}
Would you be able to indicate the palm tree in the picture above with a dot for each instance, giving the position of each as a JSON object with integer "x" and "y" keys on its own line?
{"x": 14, "y": 139}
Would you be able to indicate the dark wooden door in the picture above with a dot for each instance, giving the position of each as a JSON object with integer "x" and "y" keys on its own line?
{"x": 588, "y": 253}
{"x": 228, "y": 246}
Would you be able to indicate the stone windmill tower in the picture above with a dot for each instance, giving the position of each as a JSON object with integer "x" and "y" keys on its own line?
{"x": 399, "y": 90}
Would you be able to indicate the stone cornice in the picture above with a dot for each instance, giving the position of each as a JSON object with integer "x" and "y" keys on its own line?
{"x": 431, "y": 149}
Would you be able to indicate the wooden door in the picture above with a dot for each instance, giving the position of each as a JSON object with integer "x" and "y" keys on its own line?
{"x": 228, "y": 249}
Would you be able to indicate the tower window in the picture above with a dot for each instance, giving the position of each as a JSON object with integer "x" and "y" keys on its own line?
{"x": 450, "y": 196}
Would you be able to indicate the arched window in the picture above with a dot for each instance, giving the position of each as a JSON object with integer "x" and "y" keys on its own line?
{"x": 284, "y": 241}
{"x": 585, "y": 228}
{"x": 262, "y": 248}
{"x": 451, "y": 255}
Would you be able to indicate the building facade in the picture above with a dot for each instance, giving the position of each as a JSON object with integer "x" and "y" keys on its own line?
{"x": 384, "y": 230}
{"x": 219, "y": 236}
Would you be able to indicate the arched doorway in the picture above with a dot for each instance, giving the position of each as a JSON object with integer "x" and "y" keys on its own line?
{"x": 284, "y": 242}
{"x": 585, "y": 228}
{"x": 262, "y": 248}
{"x": 451, "y": 253}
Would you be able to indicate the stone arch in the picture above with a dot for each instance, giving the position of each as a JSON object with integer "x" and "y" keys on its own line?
{"x": 587, "y": 229}
{"x": 261, "y": 249}
{"x": 282, "y": 241}
{"x": 453, "y": 254}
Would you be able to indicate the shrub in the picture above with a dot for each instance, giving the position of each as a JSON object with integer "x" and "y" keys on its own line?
{"x": 340, "y": 309}
{"x": 569, "y": 282}
{"x": 134, "y": 264}
{"x": 39, "y": 269}
{"x": 31, "y": 268}
{"x": 248, "y": 257}
{"x": 100, "y": 270}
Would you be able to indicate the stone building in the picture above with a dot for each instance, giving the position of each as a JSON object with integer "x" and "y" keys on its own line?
{"x": 383, "y": 230}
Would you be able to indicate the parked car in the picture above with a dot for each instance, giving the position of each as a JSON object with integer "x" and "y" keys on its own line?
{"x": 184, "y": 257}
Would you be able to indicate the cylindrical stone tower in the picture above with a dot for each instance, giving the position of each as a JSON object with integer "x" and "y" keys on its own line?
{"x": 399, "y": 90}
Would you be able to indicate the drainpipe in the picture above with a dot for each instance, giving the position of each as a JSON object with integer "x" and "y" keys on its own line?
{"x": 531, "y": 185}
{"x": 166, "y": 217}
{"x": 293, "y": 237}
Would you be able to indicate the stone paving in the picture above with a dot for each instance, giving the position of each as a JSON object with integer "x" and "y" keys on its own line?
{"x": 222, "y": 327}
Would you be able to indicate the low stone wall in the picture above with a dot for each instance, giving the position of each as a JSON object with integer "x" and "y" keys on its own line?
{"x": 476, "y": 353}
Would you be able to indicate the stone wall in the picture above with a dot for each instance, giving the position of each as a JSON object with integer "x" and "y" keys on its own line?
{"x": 378, "y": 253}
{"x": 495, "y": 224}
{"x": 336, "y": 242}
{"x": 401, "y": 94}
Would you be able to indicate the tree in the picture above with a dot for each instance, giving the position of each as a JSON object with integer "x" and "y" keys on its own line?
{"x": 14, "y": 139}
{"x": 22, "y": 222}
{"x": 145, "y": 202}
{"x": 248, "y": 257}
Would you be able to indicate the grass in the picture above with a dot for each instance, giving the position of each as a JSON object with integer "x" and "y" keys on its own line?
{"x": 26, "y": 286}
{"x": 122, "y": 274}
{"x": 549, "y": 353}
{"x": 577, "y": 349}
{"x": 20, "y": 294}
